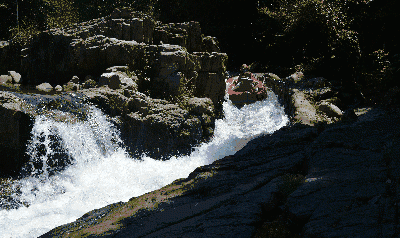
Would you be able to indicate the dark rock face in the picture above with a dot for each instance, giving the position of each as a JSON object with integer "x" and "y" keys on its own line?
{"x": 352, "y": 187}
{"x": 341, "y": 181}
{"x": 15, "y": 128}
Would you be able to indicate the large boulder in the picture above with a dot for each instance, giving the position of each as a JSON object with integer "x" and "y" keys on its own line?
{"x": 162, "y": 129}
{"x": 211, "y": 85}
{"x": 212, "y": 62}
{"x": 329, "y": 109}
{"x": 10, "y": 56}
{"x": 116, "y": 80}
{"x": 170, "y": 76}
{"x": 175, "y": 67}
{"x": 15, "y": 128}
{"x": 155, "y": 126}
{"x": 112, "y": 80}
{"x": 304, "y": 111}
{"x": 210, "y": 44}
{"x": 203, "y": 108}
{"x": 112, "y": 102}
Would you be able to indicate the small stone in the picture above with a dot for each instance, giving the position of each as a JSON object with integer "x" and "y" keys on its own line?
{"x": 71, "y": 86}
{"x": 75, "y": 79}
{"x": 117, "y": 69}
{"x": 112, "y": 80}
{"x": 58, "y": 88}
{"x": 330, "y": 109}
{"x": 44, "y": 87}
{"x": 88, "y": 77}
{"x": 89, "y": 83}
{"x": 16, "y": 77}
{"x": 5, "y": 79}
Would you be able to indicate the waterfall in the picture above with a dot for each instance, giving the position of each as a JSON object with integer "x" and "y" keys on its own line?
{"x": 97, "y": 171}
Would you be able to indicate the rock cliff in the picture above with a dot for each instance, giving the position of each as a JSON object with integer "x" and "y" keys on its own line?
{"x": 164, "y": 56}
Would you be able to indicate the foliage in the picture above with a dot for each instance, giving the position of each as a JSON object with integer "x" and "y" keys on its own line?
{"x": 61, "y": 13}
{"x": 21, "y": 35}
{"x": 314, "y": 34}
{"x": 347, "y": 41}
{"x": 186, "y": 91}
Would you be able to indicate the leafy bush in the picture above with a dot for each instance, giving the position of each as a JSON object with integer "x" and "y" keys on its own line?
{"x": 314, "y": 34}
{"x": 62, "y": 13}
{"x": 21, "y": 35}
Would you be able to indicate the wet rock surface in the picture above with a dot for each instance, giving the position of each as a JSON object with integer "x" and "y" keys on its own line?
{"x": 156, "y": 127}
{"x": 336, "y": 180}
{"x": 15, "y": 128}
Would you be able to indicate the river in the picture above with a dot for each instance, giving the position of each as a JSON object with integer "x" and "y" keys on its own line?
{"x": 103, "y": 173}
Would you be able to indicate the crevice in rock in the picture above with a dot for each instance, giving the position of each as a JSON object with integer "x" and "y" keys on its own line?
{"x": 273, "y": 220}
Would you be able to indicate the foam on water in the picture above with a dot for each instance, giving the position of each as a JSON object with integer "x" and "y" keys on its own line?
{"x": 102, "y": 173}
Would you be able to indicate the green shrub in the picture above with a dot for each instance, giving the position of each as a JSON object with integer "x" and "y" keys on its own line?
{"x": 21, "y": 35}
{"x": 62, "y": 13}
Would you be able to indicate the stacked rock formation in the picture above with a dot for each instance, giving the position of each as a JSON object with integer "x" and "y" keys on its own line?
{"x": 124, "y": 38}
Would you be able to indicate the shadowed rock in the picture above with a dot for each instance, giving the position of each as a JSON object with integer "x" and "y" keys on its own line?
{"x": 15, "y": 128}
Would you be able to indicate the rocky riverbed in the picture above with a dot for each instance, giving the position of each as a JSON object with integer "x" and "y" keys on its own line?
{"x": 333, "y": 172}
{"x": 330, "y": 173}
{"x": 337, "y": 180}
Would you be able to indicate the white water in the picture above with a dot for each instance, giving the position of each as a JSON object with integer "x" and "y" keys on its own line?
{"x": 102, "y": 173}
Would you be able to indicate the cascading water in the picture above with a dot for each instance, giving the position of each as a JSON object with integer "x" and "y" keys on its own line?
{"x": 98, "y": 171}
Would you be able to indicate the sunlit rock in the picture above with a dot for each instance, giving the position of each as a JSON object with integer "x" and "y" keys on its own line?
{"x": 5, "y": 79}
{"x": 58, "y": 88}
{"x": 44, "y": 87}
{"x": 329, "y": 109}
{"x": 16, "y": 77}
